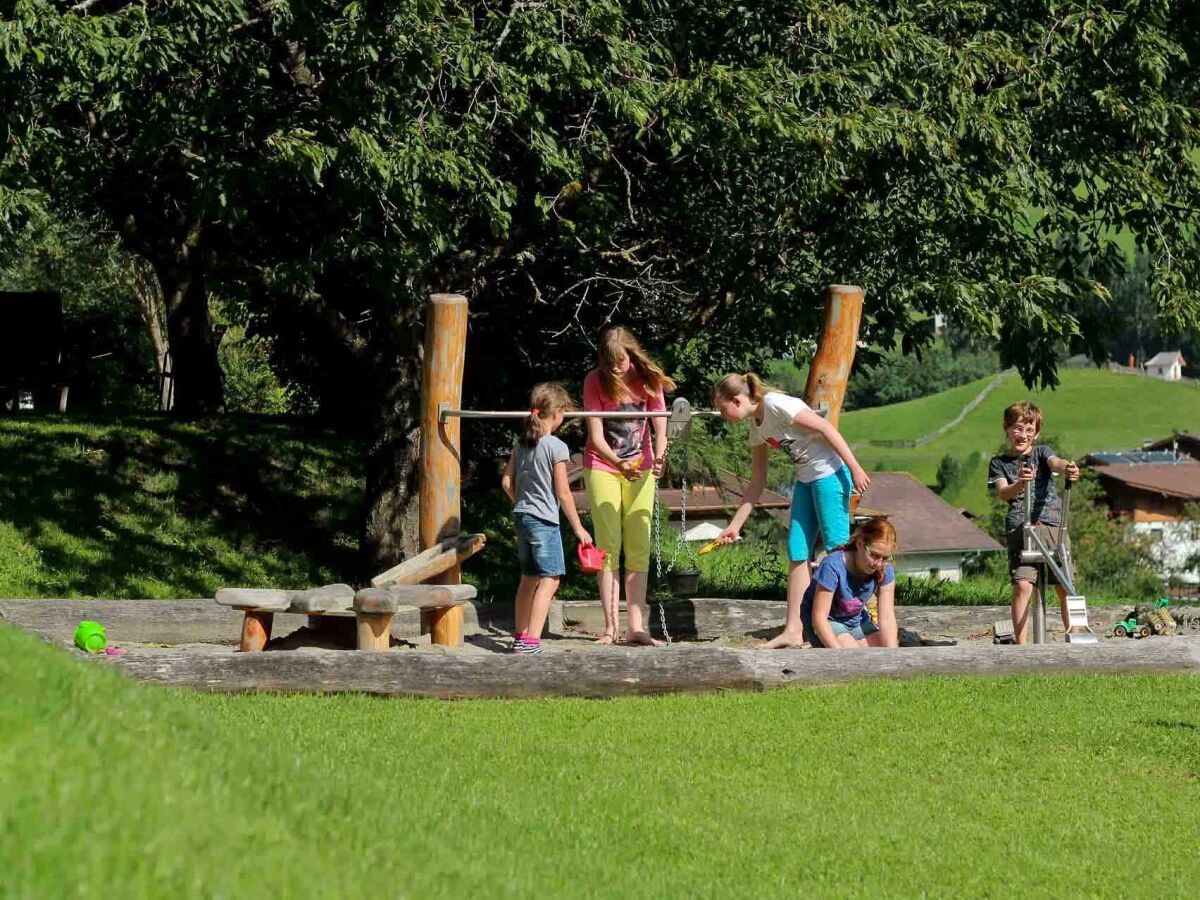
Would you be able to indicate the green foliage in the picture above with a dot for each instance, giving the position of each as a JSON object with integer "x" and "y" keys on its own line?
{"x": 972, "y": 591}
{"x": 701, "y": 169}
{"x": 947, "y": 474}
{"x": 250, "y": 384}
{"x": 694, "y": 168}
{"x": 898, "y": 376}
{"x": 105, "y": 328}
{"x": 1141, "y": 332}
{"x": 156, "y": 509}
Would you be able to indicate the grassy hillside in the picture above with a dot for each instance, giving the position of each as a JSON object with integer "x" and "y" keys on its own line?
{"x": 1090, "y": 411}
{"x": 961, "y": 786}
{"x": 150, "y": 507}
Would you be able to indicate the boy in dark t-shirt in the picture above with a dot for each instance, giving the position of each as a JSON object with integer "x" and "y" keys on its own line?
{"x": 1009, "y": 475}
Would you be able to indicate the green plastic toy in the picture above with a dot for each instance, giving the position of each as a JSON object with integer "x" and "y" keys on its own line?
{"x": 89, "y": 636}
{"x": 1131, "y": 628}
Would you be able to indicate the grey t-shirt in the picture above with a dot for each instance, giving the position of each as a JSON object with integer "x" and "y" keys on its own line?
{"x": 1047, "y": 506}
{"x": 533, "y": 480}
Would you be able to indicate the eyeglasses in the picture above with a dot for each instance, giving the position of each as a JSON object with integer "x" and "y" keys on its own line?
{"x": 878, "y": 557}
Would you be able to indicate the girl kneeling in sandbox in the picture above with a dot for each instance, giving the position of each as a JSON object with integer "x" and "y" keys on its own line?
{"x": 835, "y": 611}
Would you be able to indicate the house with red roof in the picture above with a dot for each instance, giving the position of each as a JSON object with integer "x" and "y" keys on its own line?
{"x": 1158, "y": 499}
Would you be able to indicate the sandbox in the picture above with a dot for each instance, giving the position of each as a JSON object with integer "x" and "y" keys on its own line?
{"x": 193, "y": 643}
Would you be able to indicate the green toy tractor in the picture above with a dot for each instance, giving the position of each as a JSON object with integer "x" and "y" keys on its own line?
{"x": 1131, "y": 628}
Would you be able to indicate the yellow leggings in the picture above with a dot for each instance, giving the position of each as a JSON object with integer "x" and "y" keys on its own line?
{"x": 621, "y": 511}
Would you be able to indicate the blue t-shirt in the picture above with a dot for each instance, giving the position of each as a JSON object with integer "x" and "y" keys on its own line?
{"x": 850, "y": 593}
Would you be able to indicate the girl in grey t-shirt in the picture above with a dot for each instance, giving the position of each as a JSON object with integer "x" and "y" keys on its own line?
{"x": 535, "y": 479}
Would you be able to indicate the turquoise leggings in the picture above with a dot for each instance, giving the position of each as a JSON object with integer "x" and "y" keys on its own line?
{"x": 820, "y": 506}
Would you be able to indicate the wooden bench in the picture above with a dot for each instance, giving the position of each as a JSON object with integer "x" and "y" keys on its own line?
{"x": 442, "y": 623}
{"x": 373, "y": 608}
{"x": 259, "y": 606}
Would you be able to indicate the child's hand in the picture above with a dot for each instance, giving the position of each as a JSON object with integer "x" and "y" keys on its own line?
{"x": 583, "y": 537}
{"x": 1025, "y": 472}
{"x": 660, "y": 463}
{"x": 629, "y": 469}
{"x": 728, "y": 536}
{"x": 861, "y": 479}
{"x": 1072, "y": 471}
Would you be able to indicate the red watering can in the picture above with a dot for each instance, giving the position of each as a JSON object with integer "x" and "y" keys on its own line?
{"x": 591, "y": 558}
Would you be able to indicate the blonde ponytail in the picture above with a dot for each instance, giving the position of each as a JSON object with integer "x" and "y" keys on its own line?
{"x": 748, "y": 385}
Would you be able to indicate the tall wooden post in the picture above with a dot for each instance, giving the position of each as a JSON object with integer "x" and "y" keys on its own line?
{"x": 440, "y": 506}
{"x": 830, "y": 369}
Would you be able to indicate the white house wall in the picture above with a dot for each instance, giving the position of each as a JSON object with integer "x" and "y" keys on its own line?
{"x": 944, "y": 566}
{"x": 1172, "y": 544}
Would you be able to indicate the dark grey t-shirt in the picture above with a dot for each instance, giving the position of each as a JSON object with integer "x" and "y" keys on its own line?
{"x": 1047, "y": 506}
{"x": 533, "y": 479}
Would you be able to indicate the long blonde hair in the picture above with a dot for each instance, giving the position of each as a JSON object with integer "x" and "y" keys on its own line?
{"x": 617, "y": 340}
{"x": 545, "y": 400}
{"x": 750, "y": 385}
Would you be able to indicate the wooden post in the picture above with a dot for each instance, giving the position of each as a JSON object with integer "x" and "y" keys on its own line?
{"x": 256, "y": 630}
{"x": 374, "y": 633}
{"x": 440, "y": 508}
{"x": 830, "y": 369}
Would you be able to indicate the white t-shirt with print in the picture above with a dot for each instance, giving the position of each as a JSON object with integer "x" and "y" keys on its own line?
{"x": 813, "y": 456}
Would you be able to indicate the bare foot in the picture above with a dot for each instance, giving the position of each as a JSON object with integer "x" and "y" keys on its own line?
{"x": 786, "y": 639}
{"x": 643, "y": 638}
{"x": 608, "y": 638}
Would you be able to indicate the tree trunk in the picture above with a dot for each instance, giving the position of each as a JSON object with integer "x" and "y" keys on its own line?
{"x": 196, "y": 373}
{"x": 392, "y": 472}
{"x": 146, "y": 290}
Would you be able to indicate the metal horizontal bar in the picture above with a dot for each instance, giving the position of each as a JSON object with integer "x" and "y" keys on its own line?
{"x": 445, "y": 414}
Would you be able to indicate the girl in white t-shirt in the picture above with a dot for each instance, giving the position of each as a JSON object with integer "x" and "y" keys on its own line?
{"x": 826, "y": 470}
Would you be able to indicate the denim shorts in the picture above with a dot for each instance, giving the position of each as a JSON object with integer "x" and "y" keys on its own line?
{"x": 856, "y": 628}
{"x": 539, "y": 547}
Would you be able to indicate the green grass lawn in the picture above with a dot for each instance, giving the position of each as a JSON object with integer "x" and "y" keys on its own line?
{"x": 940, "y": 787}
{"x": 1090, "y": 411}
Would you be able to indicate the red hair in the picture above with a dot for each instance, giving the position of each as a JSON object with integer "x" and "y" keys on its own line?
{"x": 870, "y": 531}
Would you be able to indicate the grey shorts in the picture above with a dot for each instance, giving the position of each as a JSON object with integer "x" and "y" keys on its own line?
{"x": 1019, "y": 571}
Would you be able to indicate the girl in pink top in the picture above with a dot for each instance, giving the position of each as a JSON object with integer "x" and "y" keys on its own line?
{"x": 621, "y": 459}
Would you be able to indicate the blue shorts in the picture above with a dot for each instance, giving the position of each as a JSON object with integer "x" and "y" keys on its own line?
{"x": 857, "y": 628}
{"x": 539, "y": 547}
{"x": 822, "y": 505}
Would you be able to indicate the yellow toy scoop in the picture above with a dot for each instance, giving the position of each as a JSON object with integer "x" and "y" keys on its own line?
{"x": 709, "y": 547}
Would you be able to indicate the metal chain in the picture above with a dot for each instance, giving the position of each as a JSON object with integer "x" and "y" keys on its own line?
{"x": 683, "y": 501}
{"x": 656, "y": 526}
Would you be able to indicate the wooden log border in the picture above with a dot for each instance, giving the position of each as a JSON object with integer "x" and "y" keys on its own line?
{"x": 620, "y": 671}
